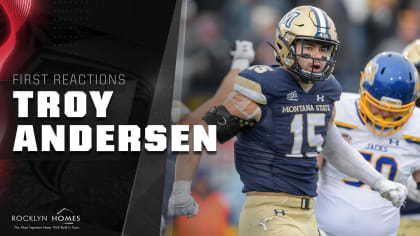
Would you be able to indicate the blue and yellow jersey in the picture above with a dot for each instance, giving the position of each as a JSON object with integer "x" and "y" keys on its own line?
{"x": 279, "y": 153}
{"x": 395, "y": 156}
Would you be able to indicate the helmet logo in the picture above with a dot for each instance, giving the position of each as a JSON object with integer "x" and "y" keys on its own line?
{"x": 288, "y": 19}
{"x": 323, "y": 35}
{"x": 370, "y": 71}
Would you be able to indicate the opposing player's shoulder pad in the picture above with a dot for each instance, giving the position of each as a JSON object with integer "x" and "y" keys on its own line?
{"x": 412, "y": 139}
{"x": 349, "y": 97}
{"x": 250, "y": 82}
{"x": 411, "y": 131}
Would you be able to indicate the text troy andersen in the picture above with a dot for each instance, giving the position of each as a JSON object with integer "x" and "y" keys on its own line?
{"x": 108, "y": 138}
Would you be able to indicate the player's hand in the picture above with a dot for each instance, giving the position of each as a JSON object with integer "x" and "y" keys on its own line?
{"x": 413, "y": 192}
{"x": 392, "y": 191}
{"x": 181, "y": 203}
{"x": 243, "y": 54}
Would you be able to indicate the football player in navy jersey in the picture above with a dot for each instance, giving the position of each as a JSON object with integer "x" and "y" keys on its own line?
{"x": 280, "y": 115}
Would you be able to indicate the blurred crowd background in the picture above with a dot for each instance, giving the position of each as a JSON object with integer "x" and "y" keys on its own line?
{"x": 364, "y": 27}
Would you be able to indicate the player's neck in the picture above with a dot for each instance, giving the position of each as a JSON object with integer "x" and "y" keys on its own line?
{"x": 305, "y": 86}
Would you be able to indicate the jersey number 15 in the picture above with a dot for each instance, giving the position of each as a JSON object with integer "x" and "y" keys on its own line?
{"x": 296, "y": 127}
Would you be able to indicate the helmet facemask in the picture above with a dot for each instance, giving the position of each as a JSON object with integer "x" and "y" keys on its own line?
{"x": 375, "y": 122}
{"x": 388, "y": 93}
{"x": 311, "y": 76}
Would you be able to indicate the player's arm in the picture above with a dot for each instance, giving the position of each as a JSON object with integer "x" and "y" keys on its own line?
{"x": 413, "y": 186}
{"x": 320, "y": 158}
{"x": 181, "y": 202}
{"x": 237, "y": 113}
{"x": 350, "y": 162}
{"x": 242, "y": 56}
{"x": 218, "y": 98}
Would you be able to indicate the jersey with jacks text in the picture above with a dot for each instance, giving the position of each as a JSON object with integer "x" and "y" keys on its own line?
{"x": 346, "y": 206}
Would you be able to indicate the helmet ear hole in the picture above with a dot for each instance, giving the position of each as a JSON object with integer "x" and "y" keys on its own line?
{"x": 382, "y": 71}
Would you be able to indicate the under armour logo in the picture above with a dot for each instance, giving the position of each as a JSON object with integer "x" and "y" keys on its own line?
{"x": 392, "y": 141}
{"x": 319, "y": 98}
{"x": 292, "y": 96}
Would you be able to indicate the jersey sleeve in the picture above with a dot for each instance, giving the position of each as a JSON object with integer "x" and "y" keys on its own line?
{"x": 250, "y": 82}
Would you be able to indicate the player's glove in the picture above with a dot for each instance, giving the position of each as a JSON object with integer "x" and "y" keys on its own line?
{"x": 392, "y": 191}
{"x": 413, "y": 191}
{"x": 181, "y": 203}
{"x": 243, "y": 54}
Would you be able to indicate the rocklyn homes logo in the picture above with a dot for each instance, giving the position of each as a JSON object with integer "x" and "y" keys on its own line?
{"x": 63, "y": 216}
{"x": 66, "y": 216}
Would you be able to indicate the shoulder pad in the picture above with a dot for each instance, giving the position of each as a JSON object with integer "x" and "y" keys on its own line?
{"x": 250, "y": 82}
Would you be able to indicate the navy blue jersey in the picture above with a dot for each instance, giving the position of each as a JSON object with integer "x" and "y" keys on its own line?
{"x": 410, "y": 208}
{"x": 279, "y": 153}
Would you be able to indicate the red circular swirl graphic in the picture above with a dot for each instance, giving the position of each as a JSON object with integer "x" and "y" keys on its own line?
{"x": 13, "y": 14}
{"x": 16, "y": 13}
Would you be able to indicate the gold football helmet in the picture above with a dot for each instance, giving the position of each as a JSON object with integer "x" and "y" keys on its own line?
{"x": 306, "y": 23}
{"x": 412, "y": 52}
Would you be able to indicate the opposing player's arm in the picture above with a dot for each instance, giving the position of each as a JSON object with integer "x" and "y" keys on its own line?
{"x": 350, "y": 162}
